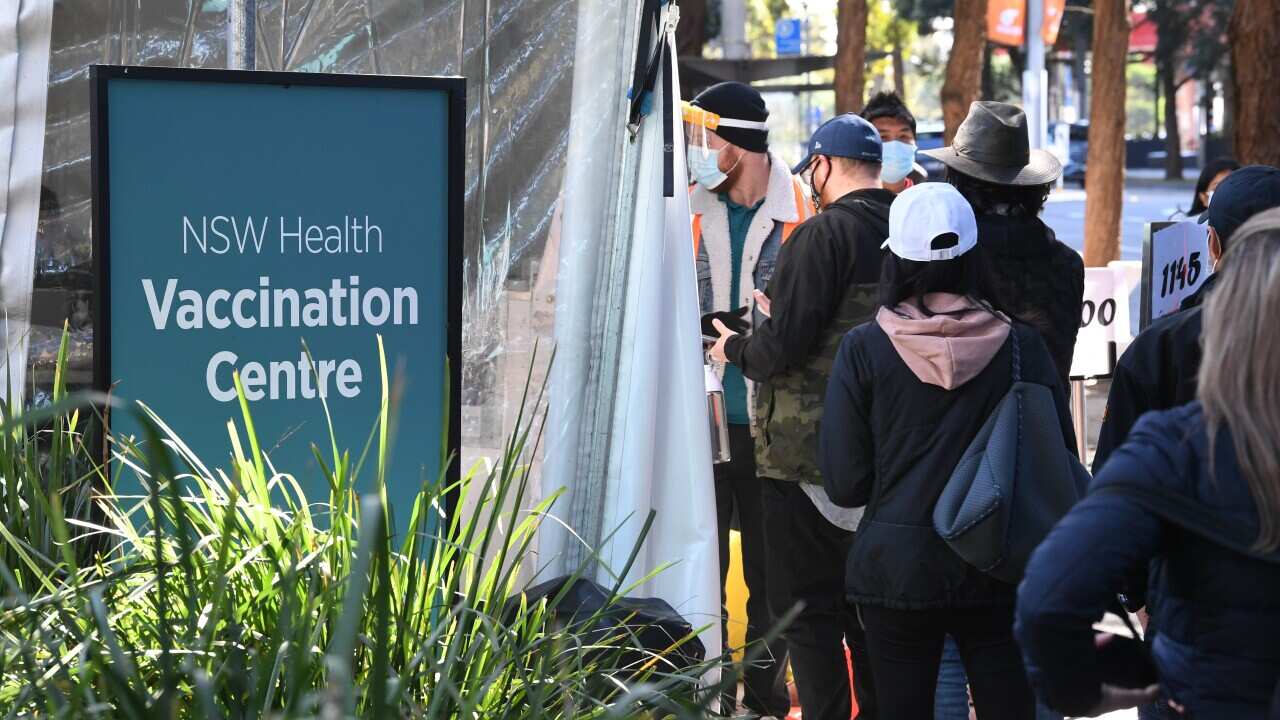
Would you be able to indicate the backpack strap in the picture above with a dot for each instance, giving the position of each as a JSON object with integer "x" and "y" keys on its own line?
{"x": 1017, "y": 353}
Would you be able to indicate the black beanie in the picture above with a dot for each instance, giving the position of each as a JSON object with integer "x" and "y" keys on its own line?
{"x": 733, "y": 100}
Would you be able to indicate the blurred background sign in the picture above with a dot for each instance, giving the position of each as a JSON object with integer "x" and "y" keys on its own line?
{"x": 788, "y": 34}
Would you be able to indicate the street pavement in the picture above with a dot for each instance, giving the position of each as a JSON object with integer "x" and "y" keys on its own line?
{"x": 1146, "y": 199}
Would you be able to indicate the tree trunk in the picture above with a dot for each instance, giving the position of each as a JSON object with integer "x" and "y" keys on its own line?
{"x": 1104, "y": 174}
{"x": 1078, "y": 74}
{"x": 899, "y": 73}
{"x": 1229, "y": 109}
{"x": 1254, "y": 35}
{"x": 988, "y": 75}
{"x": 1172, "y": 133}
{"x": 851, "y": 55}
{"x": 964, "y": 67}
{"x": 691, "y": 33}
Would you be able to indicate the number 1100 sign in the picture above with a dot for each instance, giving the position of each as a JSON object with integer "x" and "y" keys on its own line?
{"x": 1180, "y": 273}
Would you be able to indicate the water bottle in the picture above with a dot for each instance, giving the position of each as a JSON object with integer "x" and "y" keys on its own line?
{"x": 717, "y": 416}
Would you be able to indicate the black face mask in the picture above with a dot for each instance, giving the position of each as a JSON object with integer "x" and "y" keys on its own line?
{"x": 815, "y": 192}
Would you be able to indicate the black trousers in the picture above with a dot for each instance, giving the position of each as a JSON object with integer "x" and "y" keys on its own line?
{"x": 806, "y": 568}
{"x": 738, "y": 496}
{"x": 906, "y": 649}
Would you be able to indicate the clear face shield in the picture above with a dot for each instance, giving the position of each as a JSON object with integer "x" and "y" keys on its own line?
{"x": 700, "y": 126}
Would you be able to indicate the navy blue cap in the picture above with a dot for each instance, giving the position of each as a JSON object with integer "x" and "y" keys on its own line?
{"x": 847, "y": 136}
{"x": 1245, "y": 193}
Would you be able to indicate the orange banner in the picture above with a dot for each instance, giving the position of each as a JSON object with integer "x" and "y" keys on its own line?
{"x": 1007, "y": 18}
{"x": 1053, "y": 10}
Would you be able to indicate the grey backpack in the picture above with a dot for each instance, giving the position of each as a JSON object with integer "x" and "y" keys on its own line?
{"x": 1013, "y": 483}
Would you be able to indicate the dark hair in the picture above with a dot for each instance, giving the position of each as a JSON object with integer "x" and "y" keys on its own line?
{"x": 888, "y": 104}
{"x": 1211, "y": 170}
{"x": 1021, "y": 201}
{"x": 968, "y": 275}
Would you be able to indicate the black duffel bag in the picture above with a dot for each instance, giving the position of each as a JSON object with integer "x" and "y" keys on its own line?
{"x": 638, "y": 629}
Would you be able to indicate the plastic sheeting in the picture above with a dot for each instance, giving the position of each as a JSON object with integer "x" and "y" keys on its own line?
{"x": 24, "y": 62}
{"x": 661, "y": 455}
{"x": 518, "y": 58}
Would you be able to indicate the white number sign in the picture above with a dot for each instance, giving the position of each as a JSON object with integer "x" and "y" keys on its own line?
{"x": 1175, "y": 265}
{"x": 1093, "y": 354}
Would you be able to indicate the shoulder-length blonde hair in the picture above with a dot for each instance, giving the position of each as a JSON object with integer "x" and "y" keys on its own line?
{"x": 1239, "y": 384}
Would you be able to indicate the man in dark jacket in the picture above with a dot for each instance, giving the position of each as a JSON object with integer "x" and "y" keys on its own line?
{"x": 1040, "y": 281}
{"x": 1159, "y": 369}
{"x": 824, "y": 285}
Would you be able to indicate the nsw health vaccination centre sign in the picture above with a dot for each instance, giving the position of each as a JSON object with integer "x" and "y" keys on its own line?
{"x": 238, "y": 215}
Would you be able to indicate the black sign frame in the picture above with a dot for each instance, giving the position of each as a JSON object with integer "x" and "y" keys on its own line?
{"x": 455, "y": 88}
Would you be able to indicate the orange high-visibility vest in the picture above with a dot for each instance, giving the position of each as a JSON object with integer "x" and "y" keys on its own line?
{"x": 802, "y": 205}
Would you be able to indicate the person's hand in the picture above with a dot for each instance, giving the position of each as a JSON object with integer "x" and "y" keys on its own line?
{"x": 763, "y": 304}
{"x": 735, "y": 320}
{"x": 1117, "y": 698}
{"x": 716, "y": 352}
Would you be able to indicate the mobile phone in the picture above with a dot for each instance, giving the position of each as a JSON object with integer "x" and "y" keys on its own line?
{"x": 1126, "y": 662}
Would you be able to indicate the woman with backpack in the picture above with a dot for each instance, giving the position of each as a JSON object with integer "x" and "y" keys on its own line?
{"x": 907, "y": 396}
{"x": 1193, "y": 497}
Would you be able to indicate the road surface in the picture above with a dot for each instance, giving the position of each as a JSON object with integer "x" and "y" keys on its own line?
{"x": 1144, "y": 201}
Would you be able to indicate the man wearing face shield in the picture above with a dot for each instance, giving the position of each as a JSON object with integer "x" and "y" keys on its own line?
{"x": 825, "y": 285}
{"x": 745, "y": 203}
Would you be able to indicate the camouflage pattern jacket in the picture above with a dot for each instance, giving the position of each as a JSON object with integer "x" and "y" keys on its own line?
{"x": 824, "y": 285}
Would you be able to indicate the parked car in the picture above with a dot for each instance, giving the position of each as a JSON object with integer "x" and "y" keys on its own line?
{"x": 1077, "y": 151}
{"x": 929, "y": 137}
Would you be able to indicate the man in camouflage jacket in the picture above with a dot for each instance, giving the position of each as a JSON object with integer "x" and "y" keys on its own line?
{"x": 824, "y": 285}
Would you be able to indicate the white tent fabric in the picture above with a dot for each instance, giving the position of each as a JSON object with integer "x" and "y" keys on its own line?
{"x": 661, "y": 452}
{"x": 24, "y": 71}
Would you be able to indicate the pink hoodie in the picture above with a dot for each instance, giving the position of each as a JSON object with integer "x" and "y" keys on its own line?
{"x": 949, "y": 348}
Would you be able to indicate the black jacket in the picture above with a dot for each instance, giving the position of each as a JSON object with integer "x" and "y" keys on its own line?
{"x": 1157, "y": 372}
{"x": 1040, "y": 281}
{"x": 1215, "y": 612}
{"x": 838, "y": 247}
{"x": 824, "y": 285}
{"x": 890, "y": 442}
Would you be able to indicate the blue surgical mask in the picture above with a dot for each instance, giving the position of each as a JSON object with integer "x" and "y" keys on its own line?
{"x": 704, "y": 166}
{"x": 896, "y": 160}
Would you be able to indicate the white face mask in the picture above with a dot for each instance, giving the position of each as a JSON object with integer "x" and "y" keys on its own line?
{"x": 704, "y": 166}
{"x": 896, "y": 160}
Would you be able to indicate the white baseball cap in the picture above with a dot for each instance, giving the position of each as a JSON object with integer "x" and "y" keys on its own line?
{"x": 921, "y": 214}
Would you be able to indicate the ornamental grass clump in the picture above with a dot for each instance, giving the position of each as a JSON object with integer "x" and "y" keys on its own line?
{"x": 200, "y": 597}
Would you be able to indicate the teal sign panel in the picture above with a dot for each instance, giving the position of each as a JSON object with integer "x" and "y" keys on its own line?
{"x": 241, "y": 214}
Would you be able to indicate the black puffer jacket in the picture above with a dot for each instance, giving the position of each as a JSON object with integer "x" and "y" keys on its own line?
{"x": 890, "y": 442}
{"x": 1040, "y": 280}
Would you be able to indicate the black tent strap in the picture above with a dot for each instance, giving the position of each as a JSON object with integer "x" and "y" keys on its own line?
{"x": 668, "y": 125}
{"x": 650, "y": 17}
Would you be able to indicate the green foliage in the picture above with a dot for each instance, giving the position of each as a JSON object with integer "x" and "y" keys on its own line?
{"x": 1191, "y": 36}
{"x": 201, "y": 599}
{"x": 924, "y": 12}
{"x": 42, "y": 445}
{"x": 1141, "y": 113}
